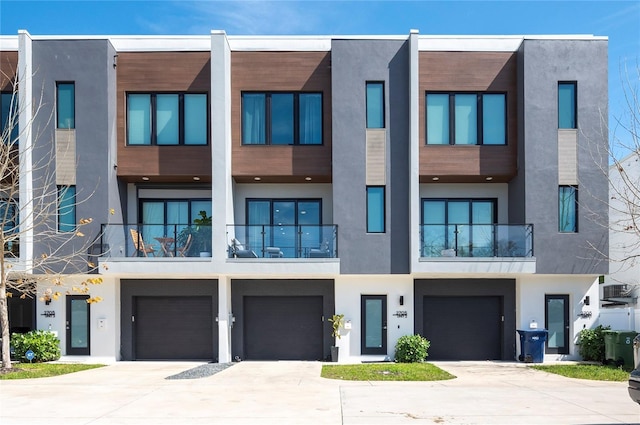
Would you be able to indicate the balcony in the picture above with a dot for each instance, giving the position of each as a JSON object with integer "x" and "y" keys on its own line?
{"x": 168, "y": 241}
{"x": 476, "y": 240}
{"x": 282, "y": 241}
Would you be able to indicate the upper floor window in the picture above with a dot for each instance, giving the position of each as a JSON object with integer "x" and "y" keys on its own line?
{"x": 167, "y": 119}
{"x": 9, "y": 211}
{"x": 9, "y": 117}
{"x": 567, "y": 105}
{"x": 66, "y": 208}
{"x": 66, "y": 105}
{"x": 375, "y": 105}
{"x": 281, "y": 118}
{"x": 567, "y": 209}
{"x": 375, "y": 209}
{"x": 466, "y": 118}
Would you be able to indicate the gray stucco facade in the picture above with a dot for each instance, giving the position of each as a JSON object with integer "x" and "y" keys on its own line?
{"x": 354, "y": 62}
{"x": 542, "y": 64}
{"x": 89, "y": 65}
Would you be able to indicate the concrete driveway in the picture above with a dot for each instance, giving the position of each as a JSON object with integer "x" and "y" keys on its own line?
{"x": 293, "y": 393}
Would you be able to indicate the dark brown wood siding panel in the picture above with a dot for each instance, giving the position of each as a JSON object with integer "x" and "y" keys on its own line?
{"x": 280, "y": 71}
{"x": 8, "y": 69}
{"x": 162, "y": 72}
{"x": 469, "y": 71}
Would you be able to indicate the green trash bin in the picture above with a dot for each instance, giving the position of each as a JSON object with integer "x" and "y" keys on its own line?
{"x": 618, "y": 347}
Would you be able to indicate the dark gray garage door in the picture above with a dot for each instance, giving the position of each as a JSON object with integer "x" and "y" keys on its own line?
{"x": 463, "y": 328}
{"x": 283, "y": 327}
{"x": 173, "y": 328}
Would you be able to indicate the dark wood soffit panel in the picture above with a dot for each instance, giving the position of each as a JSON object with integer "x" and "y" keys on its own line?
{"x": 8, "y": 69}
{"x": 280, "y": 71}
{"x": 469, "y": 71}
{"x": 187, "y": 161}
{"x": 467, "y": 162}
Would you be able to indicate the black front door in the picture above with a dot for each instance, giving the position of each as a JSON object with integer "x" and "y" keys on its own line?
{"x": 374, "y": 324}
{"x": 556, "y": 321}
{"x": 78, "y": 329}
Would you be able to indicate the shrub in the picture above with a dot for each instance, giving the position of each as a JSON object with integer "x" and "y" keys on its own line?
{"x": 412, "y": 349}
{"x": 591, "y": 343}
{"x": 44, "y": 344}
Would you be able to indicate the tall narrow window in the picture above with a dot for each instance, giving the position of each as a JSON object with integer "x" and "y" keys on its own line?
{"x": 568, "y": 209}
{"x": 167, "y": 119}
{"x": 375, "y": 105}
{"x": 494, "y": 119}
{"x": 310, "y": 118}
{"x": 9, "y": 116}
{"x": 567, "y": 105}
{"x": 437, "y": 119}
{"x": 66, "y": 105}
{"x": 139, "y": 119}
{"x": 466, "y": 119}
{"x": 375, "y": 209}
{"x": 195, "y": 119}
{"x": 66, "y": 208}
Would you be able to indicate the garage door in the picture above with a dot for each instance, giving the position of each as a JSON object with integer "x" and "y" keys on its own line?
{"x": 173, "y": 328}
{"x": 283, "y": 327}
{"x": 463, "y": 328}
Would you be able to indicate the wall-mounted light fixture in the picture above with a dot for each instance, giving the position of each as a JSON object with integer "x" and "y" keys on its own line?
{"x": 401, "y": 299}
{"x": 115, "y": 60}
{"x": 587, "y": 300}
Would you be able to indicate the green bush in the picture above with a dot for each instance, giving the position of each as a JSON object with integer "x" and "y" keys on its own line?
{"x": 44, "y": 344}
{"x": 412, "y": 349}
{"x": 591, "y": 343}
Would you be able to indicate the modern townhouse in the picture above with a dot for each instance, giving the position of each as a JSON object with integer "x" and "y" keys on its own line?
{"x": 437, "y": 185}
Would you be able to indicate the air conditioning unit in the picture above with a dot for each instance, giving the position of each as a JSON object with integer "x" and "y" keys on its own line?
{"x": 616, "y": 291}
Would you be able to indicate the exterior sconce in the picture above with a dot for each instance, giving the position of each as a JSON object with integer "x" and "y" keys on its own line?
{"x": 587, "y": 300}
{"x": 401, "y": 299}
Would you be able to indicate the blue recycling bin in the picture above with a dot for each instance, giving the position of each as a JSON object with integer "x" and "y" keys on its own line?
{"x": 532, "y": 345}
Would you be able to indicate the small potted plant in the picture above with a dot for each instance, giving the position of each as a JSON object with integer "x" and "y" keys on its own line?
{"x": 202, "y": 234}
{"x": 337, "y": 323}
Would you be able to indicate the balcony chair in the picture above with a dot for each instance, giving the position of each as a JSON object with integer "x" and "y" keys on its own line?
{"x": 321, "y": 252}
{"x": 237, "y": 250}
{"x": 183, "y": 250}
{"x": 140, "y": 246}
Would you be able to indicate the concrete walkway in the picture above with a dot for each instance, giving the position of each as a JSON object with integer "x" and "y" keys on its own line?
{"x": 293, "y": 393}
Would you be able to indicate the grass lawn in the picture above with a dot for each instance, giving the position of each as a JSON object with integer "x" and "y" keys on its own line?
{"x": 42, "y": 370}
{"x": 587, "y": 371}
{"x": 385, "y": 372}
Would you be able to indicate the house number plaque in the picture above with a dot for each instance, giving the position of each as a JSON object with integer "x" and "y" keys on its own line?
{"x": 400, "y": 313}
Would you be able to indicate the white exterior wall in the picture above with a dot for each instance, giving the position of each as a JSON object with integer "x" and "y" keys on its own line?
{"x": 105, "y": 342}
{"x": 530, "y": 305}
{"x": 348, "y": 292}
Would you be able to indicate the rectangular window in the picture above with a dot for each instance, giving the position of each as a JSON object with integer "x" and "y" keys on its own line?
{"x": 282, "y": 118}
{"x": 568, "y": 209}
{"x": 66, "y": 208}
{"x": 9, "y": 117}
{"x": 466, "y": 118}
{"x": 167, "y": 119}
{"x": 567, "y": 105}
{"x": 66, "y": 104}
{"x": 9, "y": 212}
{"x": 375, "y": 105}
{"x": 375, "y": 209}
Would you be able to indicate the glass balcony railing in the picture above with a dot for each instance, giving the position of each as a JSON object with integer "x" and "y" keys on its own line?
{"x": 284, "y": 241}
{"x": 155, "y": 240}
{"x": 476, "y": 240}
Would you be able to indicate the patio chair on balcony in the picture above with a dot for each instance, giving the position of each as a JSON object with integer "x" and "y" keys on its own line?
{"x": 238, "y": 250}
{"x": 321, "y": 252}
{"x": 139, "y": 245}
{"x": 183, "y": 250}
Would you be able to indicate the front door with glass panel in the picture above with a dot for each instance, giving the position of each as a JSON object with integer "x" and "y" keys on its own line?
{"x": 556, "y": 319}
{"x": 374, "y": 324}
{"x": 78, "y": 329}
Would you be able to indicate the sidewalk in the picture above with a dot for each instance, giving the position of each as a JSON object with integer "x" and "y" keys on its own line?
{"x": 293, "y": 393}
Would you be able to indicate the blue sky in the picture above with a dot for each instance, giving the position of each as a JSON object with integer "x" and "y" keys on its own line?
{"x": 619, "y": 20}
